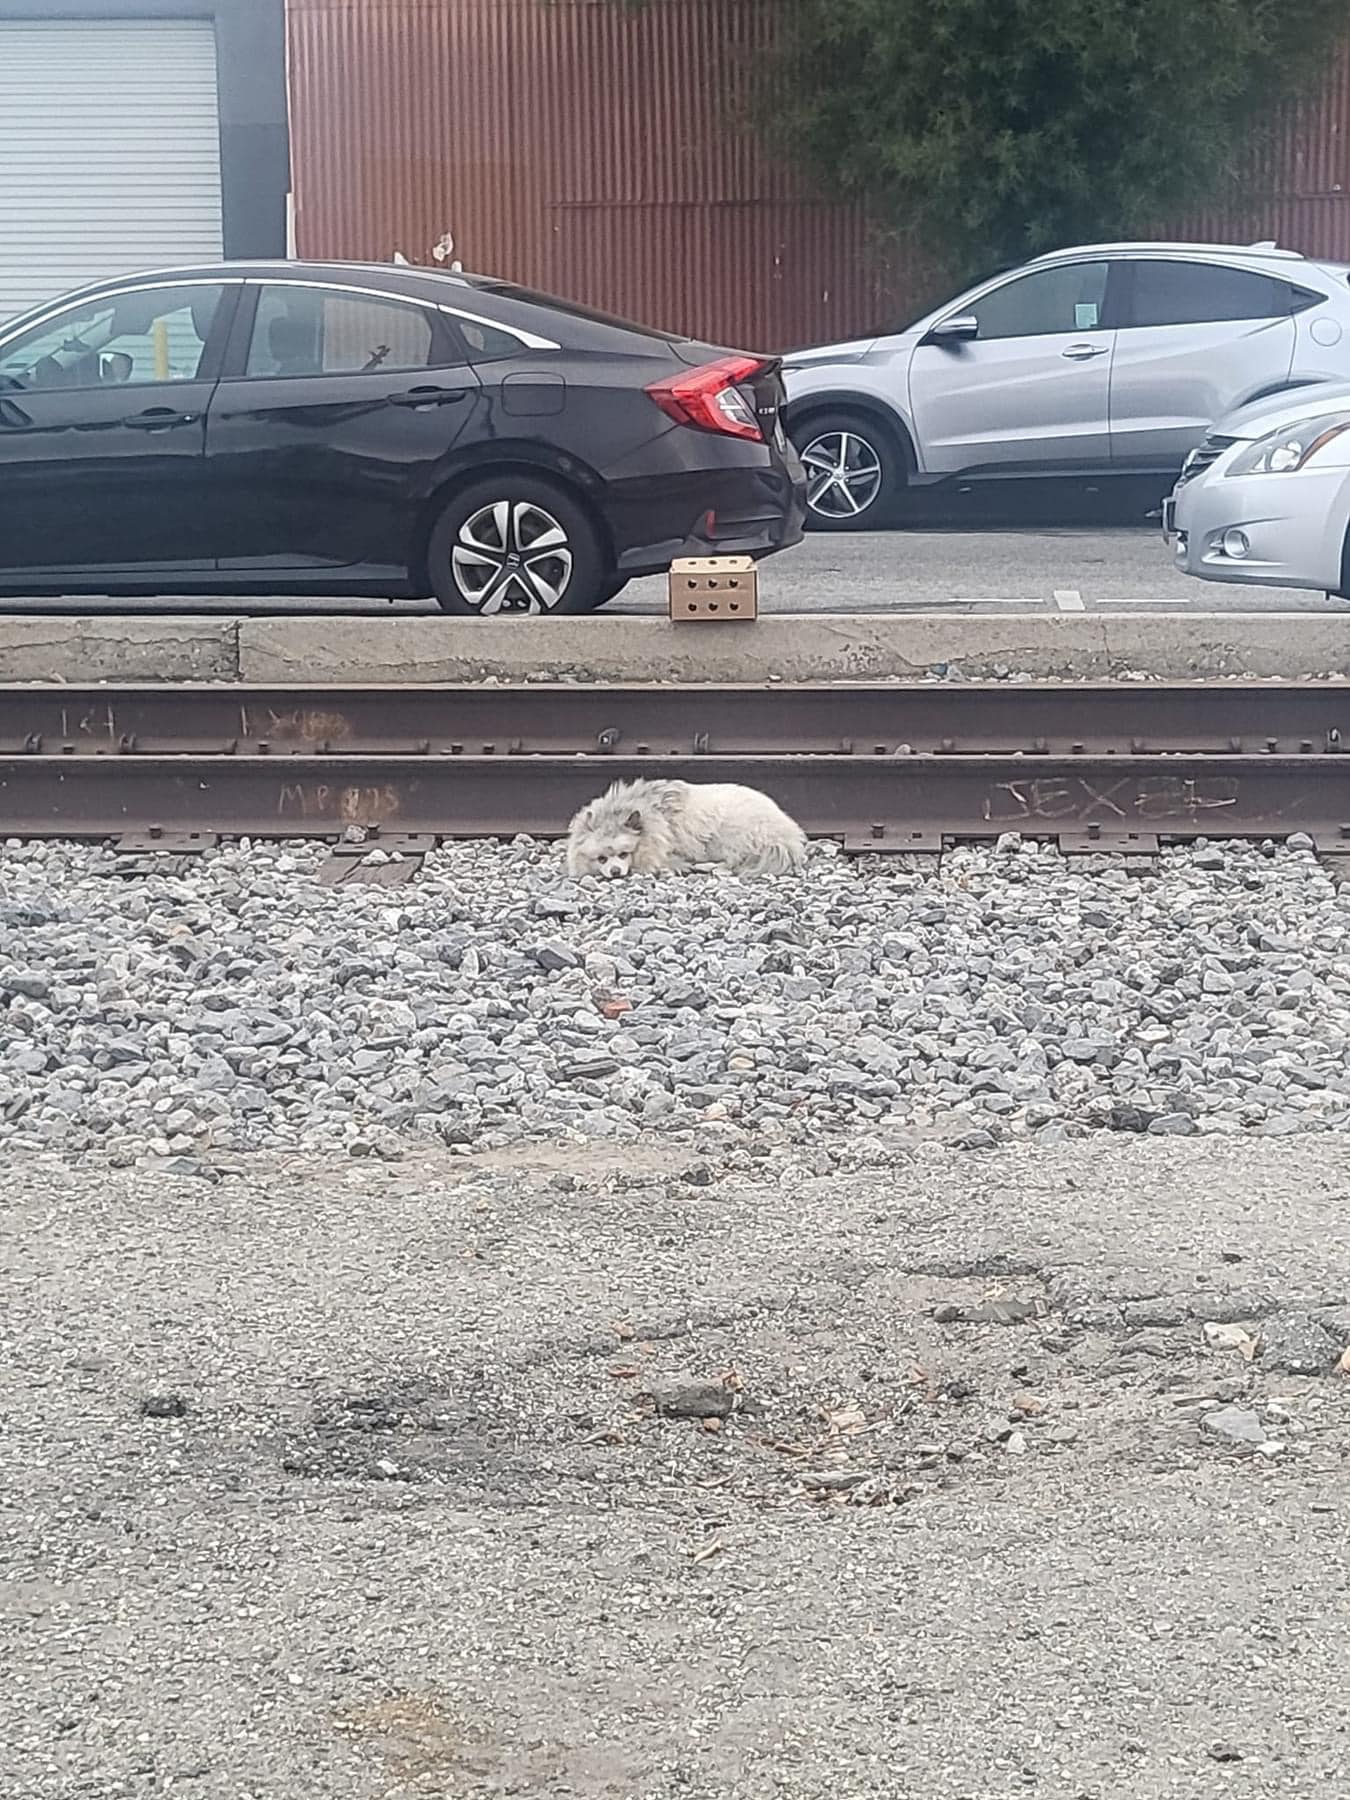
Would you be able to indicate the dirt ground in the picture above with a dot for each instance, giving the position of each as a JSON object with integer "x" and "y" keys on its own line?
{"x": 625, "y": 1475}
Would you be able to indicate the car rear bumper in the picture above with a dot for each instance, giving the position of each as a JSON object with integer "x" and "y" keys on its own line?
{"x": 1293, "y": 527}
{"x": 752, "y": 509}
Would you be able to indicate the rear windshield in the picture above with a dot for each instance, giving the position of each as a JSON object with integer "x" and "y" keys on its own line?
{"x": 573, "y": 309}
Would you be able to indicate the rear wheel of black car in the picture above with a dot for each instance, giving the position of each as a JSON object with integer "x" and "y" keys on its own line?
{"x": 610, "y": 590}
{"x": 515, "y": 544}
{"x": 856, "y": 471}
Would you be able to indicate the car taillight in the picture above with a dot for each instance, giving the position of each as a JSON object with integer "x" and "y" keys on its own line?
{"x": 710, "y": 398}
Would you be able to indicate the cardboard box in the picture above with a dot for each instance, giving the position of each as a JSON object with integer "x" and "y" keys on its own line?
{"x": 714, "y": 588}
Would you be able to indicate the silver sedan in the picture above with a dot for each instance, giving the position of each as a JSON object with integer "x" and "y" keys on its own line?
{"x": 1266, "y": 497}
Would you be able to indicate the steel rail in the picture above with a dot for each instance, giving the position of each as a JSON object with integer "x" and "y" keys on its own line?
{"x": 886, "y": 803}
{"x": 644, "y": 721}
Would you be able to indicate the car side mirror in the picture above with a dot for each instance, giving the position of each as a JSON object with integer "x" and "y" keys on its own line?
{"x": 959, "y": 330}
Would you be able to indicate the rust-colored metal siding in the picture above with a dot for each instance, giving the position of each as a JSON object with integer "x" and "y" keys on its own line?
{"x": 1301, "y": 180}
{"x": 592, "y": 150}
{"x": 608, "y": 153}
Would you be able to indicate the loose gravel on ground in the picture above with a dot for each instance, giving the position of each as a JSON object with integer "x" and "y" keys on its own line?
{"x": 240, "y": 1004}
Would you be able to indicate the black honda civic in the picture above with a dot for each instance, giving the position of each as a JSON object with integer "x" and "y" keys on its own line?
{"x": 354, "y": 428}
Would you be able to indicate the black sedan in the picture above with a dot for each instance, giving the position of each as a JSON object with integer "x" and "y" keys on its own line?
{"x": 363, "y": 429}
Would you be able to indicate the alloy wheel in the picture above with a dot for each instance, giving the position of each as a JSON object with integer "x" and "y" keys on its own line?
{"x": 843, "y": 474}
{"x": 512, "y": 556}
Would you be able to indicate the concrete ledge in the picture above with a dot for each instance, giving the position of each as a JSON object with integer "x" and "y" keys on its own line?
{"x": 118, "y": 649}
{"x": 790, "y": 647}
{"x": 799, "y": 647}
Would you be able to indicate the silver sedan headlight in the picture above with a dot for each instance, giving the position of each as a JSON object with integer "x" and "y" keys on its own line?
{"x": 1291, "y": 448}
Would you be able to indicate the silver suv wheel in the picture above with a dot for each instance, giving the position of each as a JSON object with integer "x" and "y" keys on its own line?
{"x": 512, "y": 556}
{"x": 843, "y": 474}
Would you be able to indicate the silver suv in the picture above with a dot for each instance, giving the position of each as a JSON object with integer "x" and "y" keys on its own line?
{"x": 1102, "y": 362}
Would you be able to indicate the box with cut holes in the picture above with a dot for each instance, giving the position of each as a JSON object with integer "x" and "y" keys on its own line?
{"x": 714, "y": 588}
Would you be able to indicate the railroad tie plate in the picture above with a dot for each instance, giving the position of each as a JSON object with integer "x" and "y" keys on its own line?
{"x": 1333, "y": 852}
{"x": 1103, "y": 841}
{"x": 170, "y": 843}
{"x": 387, "y": 862}
{"x": 893, "y": 840}
{"x": 157, "y": 852}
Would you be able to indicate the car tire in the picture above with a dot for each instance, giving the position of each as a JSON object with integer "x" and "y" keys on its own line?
{"x": 857, "y": 472}
{"x": 516, "y": 544}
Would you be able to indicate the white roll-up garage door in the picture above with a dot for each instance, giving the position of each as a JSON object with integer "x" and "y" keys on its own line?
{"x": 109, "y": 151}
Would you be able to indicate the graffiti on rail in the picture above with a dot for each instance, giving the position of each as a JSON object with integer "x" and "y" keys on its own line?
{"x": 318, "y": 800}
{"x": 1079, "y": 797}
{"x": 308, "y": 725}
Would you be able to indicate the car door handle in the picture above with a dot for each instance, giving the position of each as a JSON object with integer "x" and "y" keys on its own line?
{"x": 160, "y": 418}
{"x": 429, "y": 396}
{"x": 1084, "y": 352}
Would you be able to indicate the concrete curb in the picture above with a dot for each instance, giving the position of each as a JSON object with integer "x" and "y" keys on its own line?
{"x": 118, "y": 649}
{"x": 801, "y": 647}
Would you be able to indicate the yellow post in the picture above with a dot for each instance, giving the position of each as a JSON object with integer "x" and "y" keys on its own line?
{"x": 160, "y": 337}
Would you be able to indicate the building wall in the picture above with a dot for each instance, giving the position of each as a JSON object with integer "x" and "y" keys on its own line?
{"x": 252, "y": 102}
{"x": 1303, "y": 175}
{"x": 607, "y": 153}
{"x": 591, "y": 150}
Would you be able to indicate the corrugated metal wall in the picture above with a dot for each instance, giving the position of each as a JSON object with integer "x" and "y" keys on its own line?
{"x": 1303, "y": 174}
{"x": 109, "y": 151}
{"x": 594, "y": 151}
{"x": 607, "y": 153}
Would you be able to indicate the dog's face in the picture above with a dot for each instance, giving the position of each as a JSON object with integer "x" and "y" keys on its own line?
{"x": 605, "y": 846}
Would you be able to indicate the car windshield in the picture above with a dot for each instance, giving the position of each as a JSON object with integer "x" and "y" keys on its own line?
{"x": 931, "y": 305}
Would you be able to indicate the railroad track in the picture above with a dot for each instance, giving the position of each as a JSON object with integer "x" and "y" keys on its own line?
{"x": 884, "y": 767}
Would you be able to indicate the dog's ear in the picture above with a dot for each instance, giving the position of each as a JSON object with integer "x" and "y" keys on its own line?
{"x": 633, "y": 822}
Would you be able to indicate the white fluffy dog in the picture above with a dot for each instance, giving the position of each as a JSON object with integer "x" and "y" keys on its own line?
{"x": 644, "y": 827}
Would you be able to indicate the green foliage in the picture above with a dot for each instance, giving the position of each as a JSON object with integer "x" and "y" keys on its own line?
{"x": 998, "y": 128}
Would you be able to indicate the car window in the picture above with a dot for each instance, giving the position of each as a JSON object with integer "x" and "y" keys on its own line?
{"x": 1071, "y": 297}
{"x": 323, "y": 331}
{"x": 487, "y": 343}
{"x": 155, "y": 335}
{"x": 1192, "y": 293}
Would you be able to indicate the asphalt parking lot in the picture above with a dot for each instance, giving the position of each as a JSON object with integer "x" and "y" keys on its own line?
{"x": 1069, "y": 569}
{"x": 1034, "y": 568}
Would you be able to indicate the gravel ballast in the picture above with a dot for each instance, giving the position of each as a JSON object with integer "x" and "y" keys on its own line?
{"x": 238, "y": 1004}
